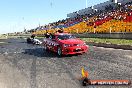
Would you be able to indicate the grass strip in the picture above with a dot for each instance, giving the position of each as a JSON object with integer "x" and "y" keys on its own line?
{"x": 109, "y": 41}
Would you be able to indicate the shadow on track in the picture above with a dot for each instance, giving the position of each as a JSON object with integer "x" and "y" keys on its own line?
{"x": 40, "y": 52}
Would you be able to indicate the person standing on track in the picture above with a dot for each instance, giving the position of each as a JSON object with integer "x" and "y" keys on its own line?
{"x": 32, "y": 36}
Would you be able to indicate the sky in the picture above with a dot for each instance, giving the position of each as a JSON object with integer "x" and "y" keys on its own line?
{"x": 15, "y": 15}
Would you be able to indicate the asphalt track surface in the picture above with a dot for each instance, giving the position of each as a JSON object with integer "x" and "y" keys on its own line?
{"x": 25, "y": 65}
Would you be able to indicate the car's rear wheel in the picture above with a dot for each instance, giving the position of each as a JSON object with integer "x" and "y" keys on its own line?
{"x": 59, "y": 51}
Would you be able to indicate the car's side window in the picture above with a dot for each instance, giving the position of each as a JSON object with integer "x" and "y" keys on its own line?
{"x": 60, "y": 37}
{"x": 53, "y": 36}
{"x": 50, "y": 37}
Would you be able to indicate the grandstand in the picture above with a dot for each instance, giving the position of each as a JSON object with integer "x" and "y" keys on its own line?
{"x": 113, "y": 16}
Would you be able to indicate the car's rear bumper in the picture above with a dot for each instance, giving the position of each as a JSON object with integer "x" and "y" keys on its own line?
{"x": 75, "y": 50}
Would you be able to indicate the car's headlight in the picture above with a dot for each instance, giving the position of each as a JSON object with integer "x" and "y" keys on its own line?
{"x": 66, "y": 45}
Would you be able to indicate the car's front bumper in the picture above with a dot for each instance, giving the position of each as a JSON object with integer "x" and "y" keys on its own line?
{"x": 75, "y": 50}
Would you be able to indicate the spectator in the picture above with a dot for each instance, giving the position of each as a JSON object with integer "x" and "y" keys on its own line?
{"x": 61, "y": 30}
{"x": 32, "y": 36}
{"x": 47, "y": 35}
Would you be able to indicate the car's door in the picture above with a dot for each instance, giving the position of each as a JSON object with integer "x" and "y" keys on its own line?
{"x": 52, "y": 43}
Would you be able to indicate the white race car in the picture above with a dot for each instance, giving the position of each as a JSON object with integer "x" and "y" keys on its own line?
{"x": 34, "y": 41}
{"x": 37, "y": 41}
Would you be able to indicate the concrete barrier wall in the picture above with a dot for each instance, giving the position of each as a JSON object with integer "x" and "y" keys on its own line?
{"x": 106, "y": 35}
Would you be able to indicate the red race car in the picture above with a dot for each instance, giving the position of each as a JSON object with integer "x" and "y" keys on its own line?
{"x": 64, "y": 44}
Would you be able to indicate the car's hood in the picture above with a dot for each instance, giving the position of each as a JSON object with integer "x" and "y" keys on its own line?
{"x": 72, "y": 41}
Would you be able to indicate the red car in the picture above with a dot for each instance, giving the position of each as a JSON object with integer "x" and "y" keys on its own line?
{"x": 65, "y": 44}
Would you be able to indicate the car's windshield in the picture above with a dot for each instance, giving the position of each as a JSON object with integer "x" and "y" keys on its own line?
{"x": 65, "y": 37}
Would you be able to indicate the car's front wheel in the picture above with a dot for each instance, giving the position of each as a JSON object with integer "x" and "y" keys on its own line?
{"x": 59, "y": 51}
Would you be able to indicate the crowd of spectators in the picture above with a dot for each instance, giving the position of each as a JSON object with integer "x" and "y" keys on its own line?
{"x": 118, "y": 12}
{"x": 121, "y": 12}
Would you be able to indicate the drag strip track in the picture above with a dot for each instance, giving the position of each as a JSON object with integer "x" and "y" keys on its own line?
{"x": 25, "y": 65}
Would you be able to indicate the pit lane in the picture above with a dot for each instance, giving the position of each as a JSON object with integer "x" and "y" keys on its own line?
{"x": 25, "y": 65}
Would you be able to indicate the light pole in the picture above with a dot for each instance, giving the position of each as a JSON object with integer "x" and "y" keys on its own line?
{"x": 23, "y": 19}
{"x": 86, "y": 3}
{"x": 39, "y": 22}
